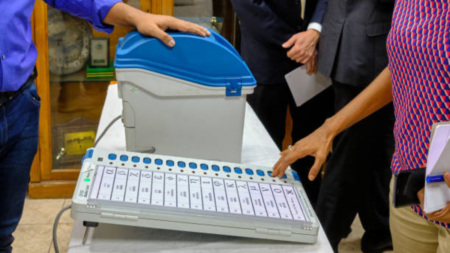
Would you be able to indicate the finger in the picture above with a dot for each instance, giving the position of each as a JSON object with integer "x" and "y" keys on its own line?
{"x": 309, "y": 68}
{"x": 447, "y": 178}
{"x": 315, "y": 169}
{"x": 304, "y": 58}
{"x": 197, "y": 30}
{"x": 163, "y": 36}
{"x": 287, "y": 160}
{"x": 290, "y": 42}
{"x": 421, "y": 195}
{"x": 275, "y": 167}
{"x": 293, "y": 52}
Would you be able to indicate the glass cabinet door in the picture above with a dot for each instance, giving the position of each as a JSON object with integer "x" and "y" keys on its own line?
{"x": 75, "y": 66}
{"x": 80, "y": 62}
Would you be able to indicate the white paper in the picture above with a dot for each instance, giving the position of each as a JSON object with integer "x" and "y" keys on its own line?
{"x": 258, "y": 202}
{"x": 209, "y": 203}
{"x": 233, "y": 197}
{"x": 132, "y": 186}
{"x": 120, "y": 183}
{"x": 97, "y": 182}
{"x": 303, "y": 86}
{"x": 107, "y": 183}
{"x": 244, "y": 198}
{"x": 269, "y": 201}
{"x": 296, "y": 208}
{"x": 158, "y": 189}
{"x": 182, "y": 191}
{"x": 282, "y": 204}
{"x": 170, "y": 191}
{"x": 221, "y": 196}
{"x": 145, "y": 187}
{"x": 195, "y": 193}
{"x": 437, "y": 195}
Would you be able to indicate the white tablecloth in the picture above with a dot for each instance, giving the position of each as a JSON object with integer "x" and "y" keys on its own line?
{"x": 258, "y": 148}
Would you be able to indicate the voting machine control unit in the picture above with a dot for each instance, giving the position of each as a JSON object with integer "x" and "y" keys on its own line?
{"x": 186, "y": 101}
{"x": 166, "y": 192}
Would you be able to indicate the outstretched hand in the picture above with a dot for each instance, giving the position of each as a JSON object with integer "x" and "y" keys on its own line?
{"x": 156, "y": 25}
{"x": 151, "y": 24}
{"x": 318, "y": 144}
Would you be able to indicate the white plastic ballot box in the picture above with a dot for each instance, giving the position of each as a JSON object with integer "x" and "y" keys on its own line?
{"x": 186, "y": 101}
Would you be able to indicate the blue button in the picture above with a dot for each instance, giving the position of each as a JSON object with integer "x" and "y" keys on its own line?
{"x": 226, "y": 169}
{"x": 270, "y": 174}
{"x": 158, "y": 162}
{"x": 215, "y": 168}
{"x": 112, "y": 157}
{"x": 147, "y": 160}
{"x": 90, "y": 153}
{"x": 204, "y": 166}
{"x": 170, "y": 163}
{"x": 135, "y": 159}
{"x": 192, "y": 165}
{"x": 260, "y": 173}
{"x": 238, "y": 170}
{"x": 181, "y": 164}
{"x": 249, "y": 172}
{"x": 296, "y": 177}
{"x": 124, "y": 158}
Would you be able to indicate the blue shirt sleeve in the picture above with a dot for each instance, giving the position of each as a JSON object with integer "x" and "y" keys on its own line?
{"x": 93, "y": 11}
{"x": 319, "y": 12}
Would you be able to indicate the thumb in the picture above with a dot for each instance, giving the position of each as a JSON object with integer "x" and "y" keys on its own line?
{"x": 315, "y": 169}
{"x": 447, "y": 178}
{"x": 289, "y": 43}
{"x": 164, "y": 37}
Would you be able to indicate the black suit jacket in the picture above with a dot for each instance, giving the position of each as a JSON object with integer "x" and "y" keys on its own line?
{"x": 265, "y": 26}
{"x": 352, "y": 46}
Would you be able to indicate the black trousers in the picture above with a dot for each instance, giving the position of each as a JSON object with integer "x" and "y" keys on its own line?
{"x": 270, "y": 103}
{"x": 358, "y": 173}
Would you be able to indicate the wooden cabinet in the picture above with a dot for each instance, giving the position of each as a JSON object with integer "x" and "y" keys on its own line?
{"x": 71, "y": 105}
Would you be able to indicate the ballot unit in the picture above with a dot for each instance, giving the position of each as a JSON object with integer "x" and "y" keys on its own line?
{"x": 193, "y": 195}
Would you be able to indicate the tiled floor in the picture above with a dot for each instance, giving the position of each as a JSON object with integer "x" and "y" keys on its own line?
{"x": 34, "y": 234}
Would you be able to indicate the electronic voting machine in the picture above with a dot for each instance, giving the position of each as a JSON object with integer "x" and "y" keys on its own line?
{"x": 192, "y": 195}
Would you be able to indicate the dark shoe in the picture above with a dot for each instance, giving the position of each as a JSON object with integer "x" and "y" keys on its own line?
{"x": 378, "y": 242}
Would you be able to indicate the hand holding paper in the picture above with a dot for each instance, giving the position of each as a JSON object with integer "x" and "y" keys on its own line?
{"x": 441, "y": 215}
{"x": 436, "y": 196}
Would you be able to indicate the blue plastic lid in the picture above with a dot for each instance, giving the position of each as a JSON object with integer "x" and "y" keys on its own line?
{"x": 210, "y": 61}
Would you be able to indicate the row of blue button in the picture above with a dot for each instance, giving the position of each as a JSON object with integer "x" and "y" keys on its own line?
{"x": 181, "y": 164}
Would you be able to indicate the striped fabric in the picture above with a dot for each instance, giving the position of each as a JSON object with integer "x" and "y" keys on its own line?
{"x": 419, "y": 53}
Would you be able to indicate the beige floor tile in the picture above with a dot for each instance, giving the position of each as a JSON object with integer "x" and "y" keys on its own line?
{"x": 32, "y": 238}
{"x": 64, "y": 233}
{"x": 40, "y": 211}
{"x": 352, "y": 244}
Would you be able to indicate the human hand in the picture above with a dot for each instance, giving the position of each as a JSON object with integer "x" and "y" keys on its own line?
{"x": 156, "y": 25}
{"x": 311, "y": 66}
{"x": 442, "y": 215}
{"x": 317, "y": 144}
{"x": 303, "y": 46}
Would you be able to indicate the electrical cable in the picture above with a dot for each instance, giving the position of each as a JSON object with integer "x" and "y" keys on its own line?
{"x": 106, "y": 129}
{"x": 55, "y": 224}
{"x": 55, "y": 227}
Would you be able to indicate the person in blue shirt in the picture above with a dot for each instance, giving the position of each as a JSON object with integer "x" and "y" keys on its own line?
{"x": 19, "y": 101}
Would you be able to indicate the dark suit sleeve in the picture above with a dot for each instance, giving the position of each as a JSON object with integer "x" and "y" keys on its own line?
{"x": 319, "y": 12}
{"x": 262, "y": 22}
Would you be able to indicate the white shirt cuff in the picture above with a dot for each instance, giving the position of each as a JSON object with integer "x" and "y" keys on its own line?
{"x": 316, "y": 26}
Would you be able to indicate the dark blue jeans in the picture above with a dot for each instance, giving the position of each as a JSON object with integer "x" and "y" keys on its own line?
{"x": 19, "y": 125}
